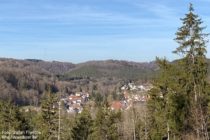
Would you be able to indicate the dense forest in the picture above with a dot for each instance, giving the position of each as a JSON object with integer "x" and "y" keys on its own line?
{"x": 178, "y": 105}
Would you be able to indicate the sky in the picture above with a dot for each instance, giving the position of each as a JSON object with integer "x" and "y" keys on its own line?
{"x": 82, "y": 30}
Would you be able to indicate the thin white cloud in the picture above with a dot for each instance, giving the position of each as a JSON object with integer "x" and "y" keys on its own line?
{"x": 159, "y": 10}
{"x": 74, "y": 13}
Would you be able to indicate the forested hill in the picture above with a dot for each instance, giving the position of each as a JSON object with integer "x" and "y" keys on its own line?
{"x": 95, "y": 69}
{"x": 92, "y": 69}
{"x": 114, "y": 68}
{"x": 37, "y": 66}
{"x": 117, "y": 69}
{"x": 24, "y": 81}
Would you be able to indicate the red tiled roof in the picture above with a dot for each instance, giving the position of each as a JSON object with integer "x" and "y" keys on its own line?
{"x": 74, "y": 98}
{"x": 116, "y": 105}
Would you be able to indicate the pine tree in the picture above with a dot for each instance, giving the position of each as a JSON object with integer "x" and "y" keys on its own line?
{"x": 192, "y": 45}
{"x": 106, "y": 124}
{"x": 178, "y": 102}
{"x": 11, "y": 119}
{"x": 49, "y": 117}
{"x": 82, "y": 128}
{"x": 158, "y": 104}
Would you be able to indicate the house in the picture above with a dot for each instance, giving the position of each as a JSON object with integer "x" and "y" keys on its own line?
{"x": 116, "y": 105}
{"x": 75, "y": 99}
{"x": 74, "y": 102}
{"x": 78, "y": 94}
{"x": 75, "y": 108}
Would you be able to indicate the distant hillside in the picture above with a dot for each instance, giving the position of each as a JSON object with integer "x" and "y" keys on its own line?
{"x": 114, "y": 69}
{"x": 117, "y": 69}
{"x": 25, "y": 81}
{"x": 37, "y": 66}
{"x": 91, "y": 69}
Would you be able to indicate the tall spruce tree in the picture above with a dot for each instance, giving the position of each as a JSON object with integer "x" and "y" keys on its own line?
{"x": 192, "y": 46}
{"x": 179, "y": 100}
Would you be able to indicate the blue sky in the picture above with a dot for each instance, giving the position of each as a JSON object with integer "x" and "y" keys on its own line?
{"x": 82, "y": 30}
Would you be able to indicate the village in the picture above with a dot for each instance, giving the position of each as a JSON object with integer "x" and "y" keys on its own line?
{"x": 132, "y": 94}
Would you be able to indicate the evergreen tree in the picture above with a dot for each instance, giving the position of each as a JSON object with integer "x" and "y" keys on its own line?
{"x": 11, "y": 119}
{"x": 192, "y": 45}
{"x": 157, "y": 106}
{"x": 49, "y": 117}
{"x": 106, "y": 124}
{"x": 179, "y": 100}
{"x": 67, "y": 122}
{"x": 82, "y": 128}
